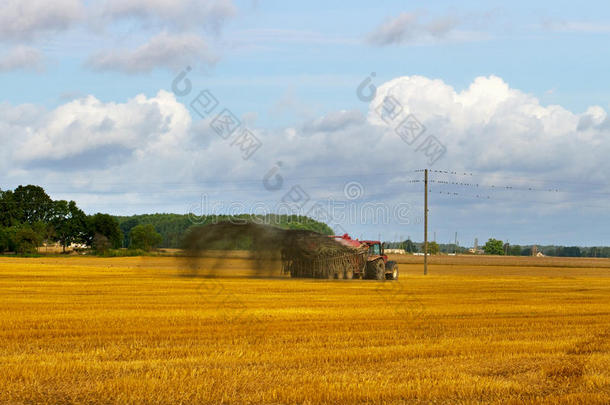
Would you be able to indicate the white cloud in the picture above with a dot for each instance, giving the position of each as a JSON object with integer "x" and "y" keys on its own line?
{"x": 181, "y": 14}
{"x": 413, "y": 28}
{"x": 26, "y": 19}
{"x": 334, "y": 121}
{"x": 492, "y": 127}
{"x": 176, "y": 26}
{"x": 21, "y": 58}
{"x": 164, "y": 50}
{"x": 86, "y": 125}
{"x": 394, "y": 30}
{"x": 178, "y": 42}
{"x": 488, "y": 127}
{"x": 147, "y": 154}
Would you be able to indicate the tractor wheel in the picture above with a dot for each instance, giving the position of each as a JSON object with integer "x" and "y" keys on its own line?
{"x": 375, "y": 270}
{"x": 369, "y": 271}
{"x": 394, "y": 272}
{"x": 379, "y": 270}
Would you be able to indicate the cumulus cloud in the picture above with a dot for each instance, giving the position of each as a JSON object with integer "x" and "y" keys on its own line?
{"x": 488, "y": 128}
{"x": 164, "y": 50}
{"x": 22, "y": 58}
{"x": 88, "y": 126}
{"x": 492, "y": 127}
{"x": 27, "y": 19}
{"x": 409, "y": 27}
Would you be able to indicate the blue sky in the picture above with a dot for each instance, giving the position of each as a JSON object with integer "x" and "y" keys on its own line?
{"x": 516, "y": 93}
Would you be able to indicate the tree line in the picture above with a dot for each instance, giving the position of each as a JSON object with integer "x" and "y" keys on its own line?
{"x": 498, "y": 247}
{"x": 172, "y": 227}
{"x": 29, "y": 217}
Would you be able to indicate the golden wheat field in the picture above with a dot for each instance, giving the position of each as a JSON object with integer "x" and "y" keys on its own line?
{"x": 131, "y": 331}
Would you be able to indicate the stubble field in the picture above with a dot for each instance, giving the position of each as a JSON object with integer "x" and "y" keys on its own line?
{"x": 130, "y": 330}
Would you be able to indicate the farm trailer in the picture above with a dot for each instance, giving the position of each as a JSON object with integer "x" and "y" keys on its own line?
{"x": 359, "y": 259}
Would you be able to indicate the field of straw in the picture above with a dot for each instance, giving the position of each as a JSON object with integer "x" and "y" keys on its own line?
{"x": 132, "y": 331}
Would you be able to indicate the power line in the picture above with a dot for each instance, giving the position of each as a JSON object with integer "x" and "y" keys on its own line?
{"x": 527, "y": 179}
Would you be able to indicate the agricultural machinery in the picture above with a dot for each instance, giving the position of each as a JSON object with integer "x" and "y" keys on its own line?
{"x": 303, "y": 253}
{"x": 355, "y": 259}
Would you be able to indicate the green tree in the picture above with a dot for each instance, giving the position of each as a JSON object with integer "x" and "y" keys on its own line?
{"x": 32, "y": 204}
{"x": 173, "y": 227}
{"x": 11, "y": 233}
{"x": 44, "y": 230}
{"x": 100, "y": 243}
{"x": 9, "y": 212}
{"x": 568, "y": 251}
{"x": 433, "y": 248}
{"x": 69, "y": 223}
{"x": 4, "y": 240}
{"x": 144, "y": 237}
{"x": 409, "y": 246}
{"x": 494, "y": 247}
{"x": 515, "y": 250}
{"x": 26, "y": 241}
{"x": 107, "y": 226}
{"x": 127, "y": 224}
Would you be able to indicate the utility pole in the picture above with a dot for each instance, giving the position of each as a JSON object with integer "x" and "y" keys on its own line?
{"x": 456, "y": 245}
{"x": 426, "y": 222}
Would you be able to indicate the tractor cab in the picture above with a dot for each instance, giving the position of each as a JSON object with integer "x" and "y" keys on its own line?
{"x": 376, "y": 250}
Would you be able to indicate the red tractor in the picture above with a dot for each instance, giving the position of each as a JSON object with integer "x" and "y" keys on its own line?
{"x": 375, "y": 265}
